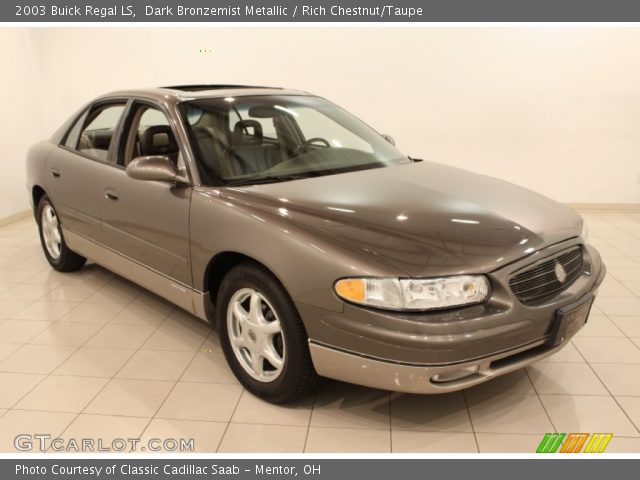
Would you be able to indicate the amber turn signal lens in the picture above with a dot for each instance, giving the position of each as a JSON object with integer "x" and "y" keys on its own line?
{"x": 351, "y": 289}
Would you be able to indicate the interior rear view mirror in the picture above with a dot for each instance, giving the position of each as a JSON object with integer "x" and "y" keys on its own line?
{"x": 264, "y": 111}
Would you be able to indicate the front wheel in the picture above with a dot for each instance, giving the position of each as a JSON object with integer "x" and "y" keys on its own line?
{"x": 58, "y": 254}
{"x": 262, "y": 335}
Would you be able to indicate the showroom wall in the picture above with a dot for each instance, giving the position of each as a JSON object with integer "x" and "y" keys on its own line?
{"x": 553, "y": 109}
{"x": 22, "y": 119}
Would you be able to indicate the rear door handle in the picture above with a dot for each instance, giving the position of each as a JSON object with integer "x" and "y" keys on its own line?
{"x": 55, "y": 172}
{"x": 111, "y": 195}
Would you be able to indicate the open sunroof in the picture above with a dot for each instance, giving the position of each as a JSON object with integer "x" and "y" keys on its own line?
{"x": 199, "y": 88}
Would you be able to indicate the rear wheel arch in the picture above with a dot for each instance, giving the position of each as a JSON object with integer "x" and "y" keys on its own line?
{"x": 37, "y": 192}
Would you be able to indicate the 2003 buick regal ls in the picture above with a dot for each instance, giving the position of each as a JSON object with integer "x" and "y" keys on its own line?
{"x": 314, "y": 245}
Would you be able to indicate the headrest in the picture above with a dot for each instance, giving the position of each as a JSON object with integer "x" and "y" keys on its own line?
{"x": 101, "y": 140}
{"x": 247, "y": 132}
{"x": 158, "y": 140}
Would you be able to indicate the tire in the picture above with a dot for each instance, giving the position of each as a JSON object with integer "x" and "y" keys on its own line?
{"x": 55, "y": 249}
{"x": 240, "y": 339}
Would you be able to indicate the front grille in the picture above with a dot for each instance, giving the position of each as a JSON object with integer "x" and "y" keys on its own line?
{"x": 539, "y": 281}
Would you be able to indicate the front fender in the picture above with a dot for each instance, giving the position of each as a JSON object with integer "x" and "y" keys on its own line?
{"x": 306, "y": 262}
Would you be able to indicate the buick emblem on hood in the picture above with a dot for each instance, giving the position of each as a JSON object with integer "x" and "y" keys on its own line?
{"x": 561, "y": 274}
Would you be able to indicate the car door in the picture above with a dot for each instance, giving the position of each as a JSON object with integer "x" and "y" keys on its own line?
{"x": 148, "y": 221}
{"x": 77, "y": 167}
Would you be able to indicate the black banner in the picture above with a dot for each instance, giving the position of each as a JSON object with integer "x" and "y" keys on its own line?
{"x": 330, "y": 469}
{"x": 405, "y": 11}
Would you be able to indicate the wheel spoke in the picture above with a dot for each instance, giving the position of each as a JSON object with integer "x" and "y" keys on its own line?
{"x": 271, "y": 328}
{"x": 240, "y": 313}
{"x": 272, "y": 357}
{"x": 255, "y": 307}
{"x": 239, "y": 342}
{"x": 257, "y": 364}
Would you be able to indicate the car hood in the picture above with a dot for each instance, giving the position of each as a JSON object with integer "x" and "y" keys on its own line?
{"x": 425, "y": 218}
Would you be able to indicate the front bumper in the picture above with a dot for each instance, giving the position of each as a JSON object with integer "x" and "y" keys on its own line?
{"x": 399, "y": 377}
{"x": 444, "y": 351}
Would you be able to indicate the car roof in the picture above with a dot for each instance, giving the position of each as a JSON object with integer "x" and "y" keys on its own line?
{"x": 180, "y": 93}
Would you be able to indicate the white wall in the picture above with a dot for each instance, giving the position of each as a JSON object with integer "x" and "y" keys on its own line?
{"x": 553, "y": 109}
{"x": 21, "y": 116}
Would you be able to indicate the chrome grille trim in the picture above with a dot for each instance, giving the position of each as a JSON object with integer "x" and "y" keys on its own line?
{"x": 538, "y": 282}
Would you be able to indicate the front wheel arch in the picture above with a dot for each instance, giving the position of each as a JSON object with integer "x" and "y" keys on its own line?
{"x": 221, "y": 264}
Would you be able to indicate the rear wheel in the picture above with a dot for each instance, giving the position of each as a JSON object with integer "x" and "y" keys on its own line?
{"x": 55, "y": 249}
{"x": 262, "y": 335}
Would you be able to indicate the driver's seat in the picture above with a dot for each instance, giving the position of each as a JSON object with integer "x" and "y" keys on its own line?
{"x": 248, "y": 152}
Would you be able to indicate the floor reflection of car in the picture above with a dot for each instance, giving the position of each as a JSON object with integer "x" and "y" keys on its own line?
{"x": 314, "y": 244}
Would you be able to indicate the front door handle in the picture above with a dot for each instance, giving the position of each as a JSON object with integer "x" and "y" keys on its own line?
{"x": 111, "y": 195}
{"x": 55, "y": 172}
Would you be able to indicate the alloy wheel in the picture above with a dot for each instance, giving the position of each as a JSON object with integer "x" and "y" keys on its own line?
{"x": 51, "y": 232}
{"x": 256, "y": 335}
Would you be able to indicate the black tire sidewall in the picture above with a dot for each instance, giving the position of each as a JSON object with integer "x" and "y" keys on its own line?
{"x": 297, "y": 357}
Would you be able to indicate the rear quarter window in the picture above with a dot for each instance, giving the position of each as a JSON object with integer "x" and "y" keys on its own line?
{"x": 73, "y": 135}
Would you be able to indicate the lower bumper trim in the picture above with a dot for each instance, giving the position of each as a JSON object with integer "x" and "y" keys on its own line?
{"x": 352, "y": 368}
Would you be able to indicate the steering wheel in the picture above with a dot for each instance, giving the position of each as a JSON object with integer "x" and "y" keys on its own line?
{"x": 307, "y": 143}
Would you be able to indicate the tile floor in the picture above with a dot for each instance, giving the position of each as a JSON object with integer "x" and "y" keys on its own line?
{"x": 89, "y": 354}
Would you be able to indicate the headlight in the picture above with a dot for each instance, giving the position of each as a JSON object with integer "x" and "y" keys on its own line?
{"x": 414, "y": 294}
{"x": 585, "y": 232}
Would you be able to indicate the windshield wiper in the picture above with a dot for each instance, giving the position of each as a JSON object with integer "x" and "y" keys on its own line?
{"x": 262, "y": 180}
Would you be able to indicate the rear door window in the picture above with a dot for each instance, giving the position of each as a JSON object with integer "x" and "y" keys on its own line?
{"x": 98, "y": 131}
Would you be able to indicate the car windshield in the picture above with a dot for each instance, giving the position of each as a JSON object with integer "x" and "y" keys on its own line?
{"x": 261, "y": 139}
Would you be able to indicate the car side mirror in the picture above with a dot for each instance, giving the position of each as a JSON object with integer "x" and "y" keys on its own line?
{"x": 389, "y": 139}
{"x": 155, "y": 167}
